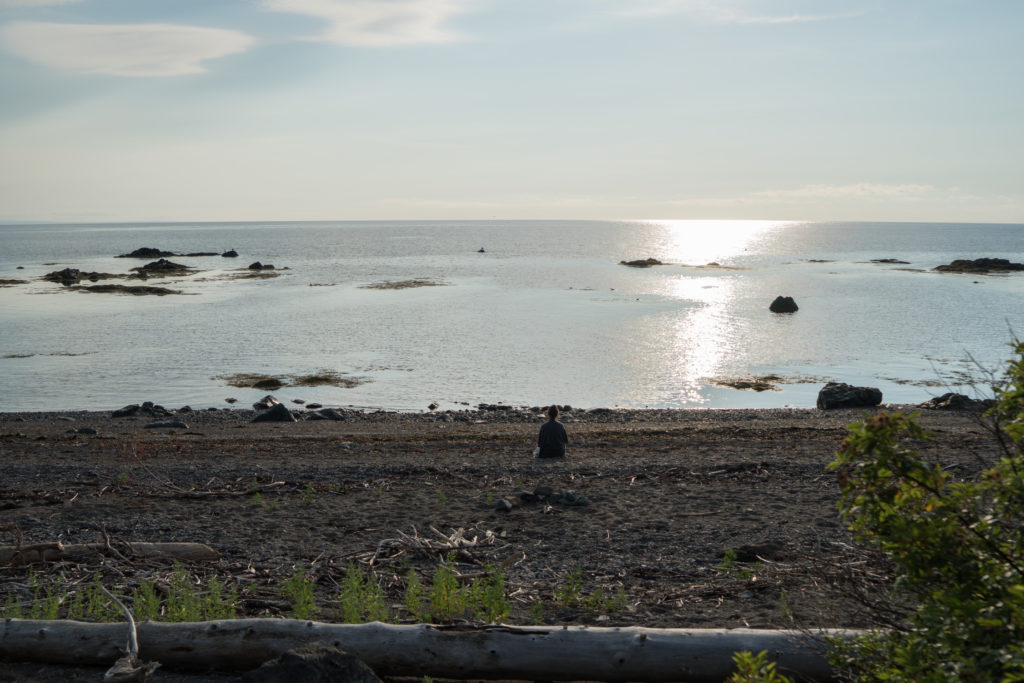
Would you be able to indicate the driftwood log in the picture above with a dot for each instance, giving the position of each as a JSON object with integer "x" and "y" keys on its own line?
{"x": 41, "y": 553}
{"x": 488, "y": 652}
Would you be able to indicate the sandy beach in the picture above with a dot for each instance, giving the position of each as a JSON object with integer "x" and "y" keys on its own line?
{"x": 646, "y": 504}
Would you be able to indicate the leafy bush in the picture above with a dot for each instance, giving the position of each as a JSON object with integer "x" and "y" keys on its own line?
{"x": 955, "y": 546}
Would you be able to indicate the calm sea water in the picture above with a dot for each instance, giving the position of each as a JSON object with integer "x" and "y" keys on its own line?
{"x": 544, "y": 315}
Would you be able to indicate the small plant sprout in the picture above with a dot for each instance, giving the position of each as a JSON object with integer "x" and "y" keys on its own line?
{"x": 568, "y": 594}
{"x": 308, "y": 494}
{"x": 299, "y": 591}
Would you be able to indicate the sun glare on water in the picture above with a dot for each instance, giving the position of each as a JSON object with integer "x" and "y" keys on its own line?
{"x": 703, "y": 242}
{"x": 704, "y": 333}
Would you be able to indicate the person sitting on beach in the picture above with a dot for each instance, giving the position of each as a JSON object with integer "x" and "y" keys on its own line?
{"x": 552, "y": 439}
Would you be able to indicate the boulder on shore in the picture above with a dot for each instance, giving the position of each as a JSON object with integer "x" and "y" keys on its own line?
{"x": 839, "y": 395}
{"x": 276, "y": 413}
{"x": 980, "y": 266}
{"x": 267, "y": 401}
{"x": 953, "y": 401}
{"x": 783, "y": 304}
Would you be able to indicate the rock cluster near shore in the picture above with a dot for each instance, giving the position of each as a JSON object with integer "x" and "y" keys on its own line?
{"x": 980, "y": 266}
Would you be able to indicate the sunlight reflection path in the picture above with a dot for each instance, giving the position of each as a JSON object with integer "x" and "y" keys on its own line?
{"x": 704, "y": 332}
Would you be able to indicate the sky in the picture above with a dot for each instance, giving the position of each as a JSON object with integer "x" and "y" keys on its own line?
{"x": 202, "y": 110}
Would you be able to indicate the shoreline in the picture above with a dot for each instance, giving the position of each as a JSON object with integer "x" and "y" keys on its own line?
{"x": 669, "y": 494}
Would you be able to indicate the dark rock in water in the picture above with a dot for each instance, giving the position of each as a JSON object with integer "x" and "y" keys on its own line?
{"x": 314, "y": 406}
{"x": 952, "y": 401}
{"x": 167, "y": 424}
{"x": 481, "y": 251}
{"x": 231, "y": 253}
{"x": 433, "y": 406}
{"x": 641, "y": 263}
{"x": 259, "y": 266}
{"x": 890, "y": 260}
{"x": 231, "y": 399}
{"x": 783, "y": 304}
{"x": 276, "y": 413}
{"x": 298, "y": 401}
{"x": 980, "y": 266}
{"x": 162, "y": 266}
{"x": 267, "y": 401}
{"x": 147, "y": 252}
{"x": 72, "y": 276}
{"x": 839, "y": 395}
{"x": 313, "y": 663}
{"x": 202, "y": 253}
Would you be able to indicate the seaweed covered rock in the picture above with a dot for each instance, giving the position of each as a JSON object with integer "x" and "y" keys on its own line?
{"x": 980, "y": 266}
{"x": 641, "y": 263}
{"x": 163, "y": 267}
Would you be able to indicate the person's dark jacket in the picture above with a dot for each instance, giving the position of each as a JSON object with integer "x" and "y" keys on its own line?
{"x": 552, "y": 440}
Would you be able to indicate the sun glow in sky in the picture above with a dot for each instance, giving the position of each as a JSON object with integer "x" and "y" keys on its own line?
{"x": 120, "y": 110}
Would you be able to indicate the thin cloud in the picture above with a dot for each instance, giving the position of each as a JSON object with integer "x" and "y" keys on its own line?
{"x": 36, "y": 3}
{"x": 861, "y": 190}
{"x": 122, "y": 49}
{"x": 720, "y": 13}
{"x": 908, "y": 192}
{"x": 376, "y": 23}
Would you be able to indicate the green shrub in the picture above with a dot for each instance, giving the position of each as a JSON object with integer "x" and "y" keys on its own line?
{"x": 751, "y": 668}
{"x": 957, "y": 548}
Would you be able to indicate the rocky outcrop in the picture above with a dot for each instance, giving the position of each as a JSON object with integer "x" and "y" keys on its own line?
{"x": 980, "y": 266}
{"x": 260, "y": 266}
{"x": 642, "y": 263}
{"x": 72, "y": 276}
{"x": 163, "y": 267}
{"x": 783, "y": 304}
{"x": 147, "y": 252}
{"x": 839, "y": 395}
{"x": 230, "y": 253}
{"x": 953, "y": 401}
{"x": 894, "y": 261}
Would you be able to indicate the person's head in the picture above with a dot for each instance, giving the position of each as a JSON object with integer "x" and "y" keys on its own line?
{"x": 552, "y": 412}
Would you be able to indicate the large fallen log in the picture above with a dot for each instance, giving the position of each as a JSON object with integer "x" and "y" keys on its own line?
{"x": 40, "y": 553}
{"x": 489, "y": 652}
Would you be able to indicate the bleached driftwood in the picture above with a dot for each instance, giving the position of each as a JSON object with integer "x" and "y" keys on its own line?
{"x": 41, "y": 553}
{"x": 490, "y": 652}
